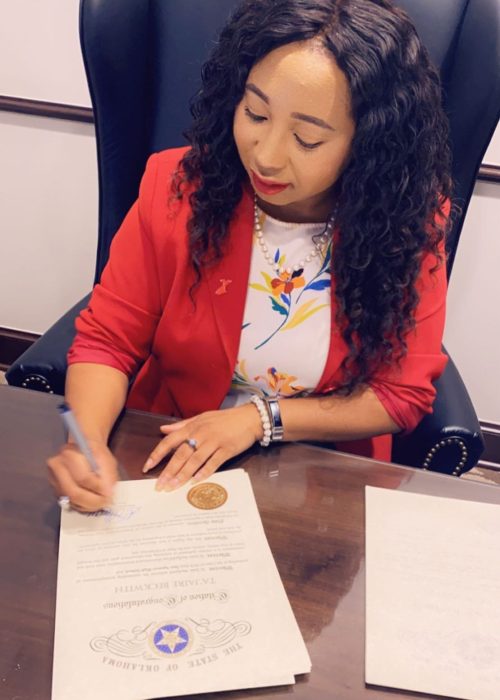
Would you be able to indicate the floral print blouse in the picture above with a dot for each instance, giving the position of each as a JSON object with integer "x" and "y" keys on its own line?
{"x": 285, "y": 335}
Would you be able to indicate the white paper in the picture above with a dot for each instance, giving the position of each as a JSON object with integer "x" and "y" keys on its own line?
{"x": 159, "y": 598}
{"x": 433, "y": 594}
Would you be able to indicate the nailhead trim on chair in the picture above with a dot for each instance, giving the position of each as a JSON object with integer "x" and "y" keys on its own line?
{"x": 37, "y": 383}
{"x": 448, "y": 441}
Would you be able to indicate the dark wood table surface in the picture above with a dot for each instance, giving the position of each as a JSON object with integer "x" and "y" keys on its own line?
{"x": 311, "y": 502}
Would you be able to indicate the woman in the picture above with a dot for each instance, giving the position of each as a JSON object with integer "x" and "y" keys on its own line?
{"x": 294, "y": 251}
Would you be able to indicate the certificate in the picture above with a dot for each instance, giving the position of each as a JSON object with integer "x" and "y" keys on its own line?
{"x": 432, "y": 583}
{"x": 171, "y": 593}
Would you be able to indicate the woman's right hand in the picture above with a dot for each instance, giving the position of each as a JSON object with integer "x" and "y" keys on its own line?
{"x": 70, "y": 475}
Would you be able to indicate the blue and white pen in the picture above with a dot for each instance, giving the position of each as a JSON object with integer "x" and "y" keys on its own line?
{"x": 72, "y": 427}
{"x": 71, "y": 424}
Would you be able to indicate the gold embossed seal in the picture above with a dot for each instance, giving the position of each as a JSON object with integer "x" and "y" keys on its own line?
{"x": 207, "y": 496}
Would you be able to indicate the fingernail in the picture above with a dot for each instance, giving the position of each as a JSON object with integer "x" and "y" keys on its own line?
{"x": 167, "y": 484}
{"x": 108, "y": 491}
{"x": 162, "y": 480}
{"x": 171, "y": 484}
{"x": 147, "y": 465}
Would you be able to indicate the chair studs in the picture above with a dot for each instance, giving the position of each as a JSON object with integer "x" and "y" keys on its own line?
{"x": 443, "y": 443}
{"x": 37, "y": 383}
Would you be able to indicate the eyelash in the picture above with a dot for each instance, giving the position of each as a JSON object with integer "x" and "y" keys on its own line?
{"x": 254, "y": 117}
{"x": 257, "y": 119}
{"x": 307, "y": 146}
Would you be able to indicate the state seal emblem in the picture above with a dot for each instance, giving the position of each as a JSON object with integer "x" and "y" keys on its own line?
{"x": 207, "y": 496}
{"x": 171, "y": 639}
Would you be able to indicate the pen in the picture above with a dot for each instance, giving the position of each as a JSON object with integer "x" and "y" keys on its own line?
{"x": 72, "y": 427}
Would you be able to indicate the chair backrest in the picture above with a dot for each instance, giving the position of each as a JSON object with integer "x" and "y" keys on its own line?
{"x": 143, "y": 60}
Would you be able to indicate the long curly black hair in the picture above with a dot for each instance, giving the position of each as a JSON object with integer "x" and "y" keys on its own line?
{"x": 391, "y": 192}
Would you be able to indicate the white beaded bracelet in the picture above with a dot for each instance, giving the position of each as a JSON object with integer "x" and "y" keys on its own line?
{"x": 260, "y": 405}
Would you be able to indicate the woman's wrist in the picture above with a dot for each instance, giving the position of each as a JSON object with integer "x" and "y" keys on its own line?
{"x": 274, "y": 411}
{"x": 97, "y": 440}
{"x": 263, "y": 432}
{"x": 270, "y": 415}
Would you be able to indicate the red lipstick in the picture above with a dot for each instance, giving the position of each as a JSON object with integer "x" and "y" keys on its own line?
{"x": 267, "y": 187}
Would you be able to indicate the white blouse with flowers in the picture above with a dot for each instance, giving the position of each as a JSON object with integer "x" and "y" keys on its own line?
{"x": 285, "y": 335}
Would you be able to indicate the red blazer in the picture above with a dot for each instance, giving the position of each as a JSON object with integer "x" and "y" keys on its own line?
{"x": 141, "y": 317}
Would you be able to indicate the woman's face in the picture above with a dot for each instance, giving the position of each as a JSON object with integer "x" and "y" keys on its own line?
{"x": 293, "y": 130}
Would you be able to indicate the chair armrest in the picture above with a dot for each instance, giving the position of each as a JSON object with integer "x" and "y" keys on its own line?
{"x": 448, "y": 440}
{"x": 43, "y": 366}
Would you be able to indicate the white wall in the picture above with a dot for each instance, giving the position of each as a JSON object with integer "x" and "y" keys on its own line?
{"x": 48, "y": 200}
{"x": 472, "y": 333}
{"x": 40, "y": 55}
{"x": 48, "y": 176}
{"x": 492, "y": 155}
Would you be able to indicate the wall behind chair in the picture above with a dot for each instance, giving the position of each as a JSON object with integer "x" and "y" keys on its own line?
{"x": 48, "y": 172}
{"x": 40, "y": 56}
{"x": 473, "y": 321}
{"x": 48, "y": 202}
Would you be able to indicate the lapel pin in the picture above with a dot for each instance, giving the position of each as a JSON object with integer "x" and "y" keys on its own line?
{"x": 223, "y": 286}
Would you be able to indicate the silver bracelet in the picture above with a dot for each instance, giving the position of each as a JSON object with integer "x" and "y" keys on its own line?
{"x": 260, "y": 405}
{"x": 277, "y": 430}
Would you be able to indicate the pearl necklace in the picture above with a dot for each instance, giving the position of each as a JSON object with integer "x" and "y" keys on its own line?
{"x": 319, "y": 244}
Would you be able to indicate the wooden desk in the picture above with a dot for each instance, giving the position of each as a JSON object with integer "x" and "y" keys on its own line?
{"x": 312, "y": 505}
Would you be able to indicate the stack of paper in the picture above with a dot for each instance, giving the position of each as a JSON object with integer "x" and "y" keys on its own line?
{"x": 432, "y": 594}
{"x": 170, "y": 594}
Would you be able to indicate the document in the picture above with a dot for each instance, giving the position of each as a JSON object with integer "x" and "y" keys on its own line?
{"x": 432, "y": 594}
{"x": 168, "y": 594}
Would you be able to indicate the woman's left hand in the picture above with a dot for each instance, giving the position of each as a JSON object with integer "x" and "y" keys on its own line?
{"x": 201, "y": 444}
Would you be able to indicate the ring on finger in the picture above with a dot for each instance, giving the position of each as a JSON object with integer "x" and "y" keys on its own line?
{"x": 192, "y": 443}
{"x": 64, "y": 502}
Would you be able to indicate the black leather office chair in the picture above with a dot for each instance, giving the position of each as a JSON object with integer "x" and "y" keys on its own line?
{"x": 143, "y": 60}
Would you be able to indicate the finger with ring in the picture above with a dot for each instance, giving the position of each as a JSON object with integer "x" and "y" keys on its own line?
{"x": 77, "y": 497}
{"x": 181, "y": 467}
{"x": 64, "y": 502}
